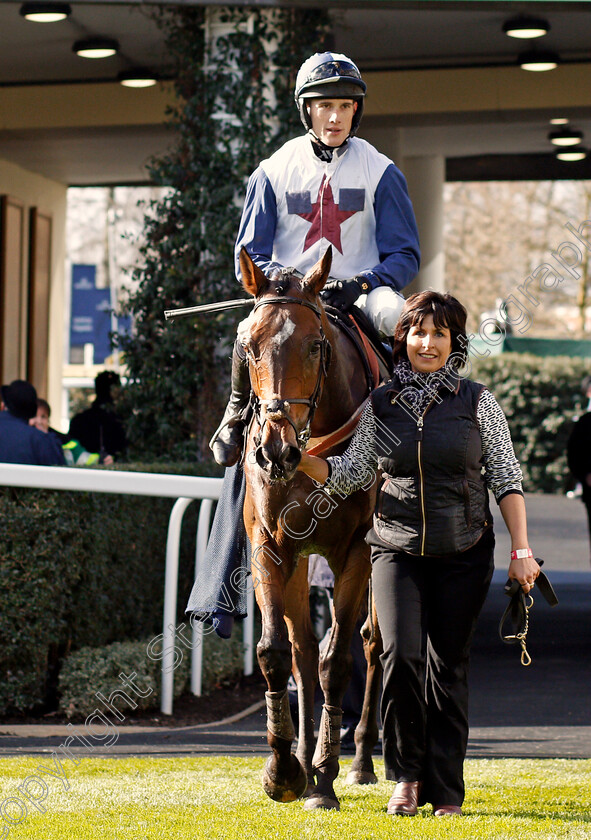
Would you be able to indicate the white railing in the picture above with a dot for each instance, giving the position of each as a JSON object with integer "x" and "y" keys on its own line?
{"x": 184, "y": 489}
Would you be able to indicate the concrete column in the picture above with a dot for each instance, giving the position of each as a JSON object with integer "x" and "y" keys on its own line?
{"x": 388, "y": 141}
{"x": 426, "y": 176}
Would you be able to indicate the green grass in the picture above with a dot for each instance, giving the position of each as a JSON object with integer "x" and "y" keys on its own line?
{"x": 221, "y": 799}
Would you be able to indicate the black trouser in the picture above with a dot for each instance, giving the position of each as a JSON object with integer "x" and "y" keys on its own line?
{"x": 427, "y": 610}
{"x": 587, "y": 503}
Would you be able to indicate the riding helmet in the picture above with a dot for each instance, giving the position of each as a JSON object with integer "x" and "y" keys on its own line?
{"x": 329, "y": 75}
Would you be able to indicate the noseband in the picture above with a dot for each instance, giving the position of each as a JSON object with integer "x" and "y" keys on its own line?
{"x": 278, "y": 409}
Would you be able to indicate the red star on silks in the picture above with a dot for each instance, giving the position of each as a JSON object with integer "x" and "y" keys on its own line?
{"x": 326, "y": 218}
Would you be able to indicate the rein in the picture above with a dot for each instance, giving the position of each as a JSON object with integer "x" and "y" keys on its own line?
{"x": 278, "y": 409}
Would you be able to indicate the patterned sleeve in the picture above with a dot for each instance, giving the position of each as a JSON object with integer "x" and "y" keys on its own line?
{"x": 502, "y": 472}
{"x": 356, "y": 467}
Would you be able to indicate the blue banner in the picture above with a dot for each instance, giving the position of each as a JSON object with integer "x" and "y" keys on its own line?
{"x": 90, "y": 318}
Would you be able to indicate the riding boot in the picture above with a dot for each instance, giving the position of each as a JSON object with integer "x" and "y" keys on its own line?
{"x": 227, "y": 442}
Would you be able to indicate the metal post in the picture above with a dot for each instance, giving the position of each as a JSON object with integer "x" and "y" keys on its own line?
{"x": 170, "y": 595}
{"x": 197, "y": 649}
{"x": 248, "y": 632}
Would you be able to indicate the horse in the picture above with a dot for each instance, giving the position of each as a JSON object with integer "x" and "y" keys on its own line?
{"x": 309, "y": 387}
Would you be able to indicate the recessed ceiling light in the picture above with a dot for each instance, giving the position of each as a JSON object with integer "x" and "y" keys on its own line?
{"x": 526, "y": 27}
{"x": 538, "y": 60}
{"x": 571, "y": 154}
{"x": 137, "y": 78}
{"x": 565, "y": 137}
{"x": 559, "y": 121}
{"x": 45, "y": 12}
{"x": 96, "y": 47}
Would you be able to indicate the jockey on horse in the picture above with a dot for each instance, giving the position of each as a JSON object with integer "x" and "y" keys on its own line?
{"x": 327, "y": 187}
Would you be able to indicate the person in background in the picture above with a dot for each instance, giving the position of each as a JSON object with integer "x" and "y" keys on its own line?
{"x": 21, "y": 443}
{"x": 41, "y": 421}
{"x": 99, "y": 429}
{"x": 440, "y": 442}
{"x": 74, "y": 453}
{"x": 579, "y": 451}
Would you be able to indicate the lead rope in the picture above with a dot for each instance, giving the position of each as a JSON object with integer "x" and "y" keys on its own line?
{"x": 521, "y": 637}
{"x": 518, "y": 610}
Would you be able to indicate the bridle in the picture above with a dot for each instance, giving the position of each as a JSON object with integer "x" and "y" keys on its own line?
{"x": 278, "y": 408}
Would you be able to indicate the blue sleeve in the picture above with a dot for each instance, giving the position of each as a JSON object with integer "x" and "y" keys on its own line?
{"x": 48, "y": 451}
{"x": 397, "y": 236}
{"x": 258, "y": 223}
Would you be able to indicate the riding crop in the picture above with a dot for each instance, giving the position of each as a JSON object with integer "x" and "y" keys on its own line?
{"x": 207, "y": 307}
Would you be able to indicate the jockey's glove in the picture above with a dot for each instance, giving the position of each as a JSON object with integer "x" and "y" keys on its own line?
{"x": 343, "y": 293}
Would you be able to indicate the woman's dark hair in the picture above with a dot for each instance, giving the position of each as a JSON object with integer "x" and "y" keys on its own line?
{"x": 446, "y": 310}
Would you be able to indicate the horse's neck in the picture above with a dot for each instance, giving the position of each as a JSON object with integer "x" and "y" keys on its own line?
{"x": 345, "y": 387}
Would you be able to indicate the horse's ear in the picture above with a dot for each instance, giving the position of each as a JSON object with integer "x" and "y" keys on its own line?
{"x": 318, "y": 275}
{"x": 253, "y": 278}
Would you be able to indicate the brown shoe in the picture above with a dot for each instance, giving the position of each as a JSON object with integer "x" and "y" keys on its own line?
{"x": 447, "y": 811}
{"x": 404, "y": 800}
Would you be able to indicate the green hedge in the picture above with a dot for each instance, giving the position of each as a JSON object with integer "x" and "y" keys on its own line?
{"x": 92, "y": 670}
{"x": 540, "y": 396}
{"x": 80, "y": 569}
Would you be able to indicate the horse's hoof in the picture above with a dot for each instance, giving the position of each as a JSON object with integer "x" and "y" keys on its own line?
{"x": 361, "y": 777}
{"x": 320, "y": 801}
{"x": 291, "y": 788}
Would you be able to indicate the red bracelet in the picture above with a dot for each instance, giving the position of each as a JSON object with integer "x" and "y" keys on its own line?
{"x": 521, "y": 554}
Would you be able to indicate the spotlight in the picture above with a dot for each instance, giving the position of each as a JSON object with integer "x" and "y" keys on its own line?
{"x": 526, "y": 27}
{"x": 96, "y": 47}
{"x": 538, "y": 60}
{"x": 45, "y": 12}
{"x": 137, "y": 78}
{"x": 559, "y": 121}
{"x": 565, "y": 137}
{"x": 571, "y": 154}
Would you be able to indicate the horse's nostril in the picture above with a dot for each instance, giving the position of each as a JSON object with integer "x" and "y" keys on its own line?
{"x": 278, "y": 461}
{"x": 291, "y": 457}
{"x": 262, "y": 457}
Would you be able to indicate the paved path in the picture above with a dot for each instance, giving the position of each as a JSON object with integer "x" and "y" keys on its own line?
{"x": 542, "y": 711}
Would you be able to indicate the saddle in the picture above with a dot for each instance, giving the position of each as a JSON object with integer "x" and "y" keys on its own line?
{"x": 377, "y": 359}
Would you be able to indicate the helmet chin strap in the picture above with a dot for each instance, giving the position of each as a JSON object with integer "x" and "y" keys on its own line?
{"x": 325, "y": 152}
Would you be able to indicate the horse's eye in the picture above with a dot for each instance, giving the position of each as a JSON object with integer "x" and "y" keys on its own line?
{"x": 315, "y": 348}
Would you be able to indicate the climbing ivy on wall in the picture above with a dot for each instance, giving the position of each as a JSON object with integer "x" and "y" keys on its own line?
{"x": 235, "y": 106}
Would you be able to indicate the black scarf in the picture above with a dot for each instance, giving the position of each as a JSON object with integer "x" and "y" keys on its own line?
{"x": 424, "y": 385}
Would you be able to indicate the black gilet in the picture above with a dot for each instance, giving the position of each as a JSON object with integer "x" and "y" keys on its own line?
{"x": 433, "y": 499}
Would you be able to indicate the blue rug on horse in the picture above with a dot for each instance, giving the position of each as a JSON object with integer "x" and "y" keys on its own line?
{"x": 219, "y": 592}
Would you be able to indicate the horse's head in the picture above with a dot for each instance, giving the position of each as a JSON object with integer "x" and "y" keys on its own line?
{"x": 288, "y": 355}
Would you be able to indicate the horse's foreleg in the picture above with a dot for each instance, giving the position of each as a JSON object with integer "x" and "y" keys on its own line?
{"x": 366, "y": 732}
{"x": 284, "y": 778}
{"x": 304, "y": 662}
{"x": 335, "y": 669}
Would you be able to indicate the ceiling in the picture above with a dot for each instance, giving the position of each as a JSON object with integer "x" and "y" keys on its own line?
{"x": 382, "y": 35}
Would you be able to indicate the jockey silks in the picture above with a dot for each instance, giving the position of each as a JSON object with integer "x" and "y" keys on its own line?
{"x": 297, "y": 205}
